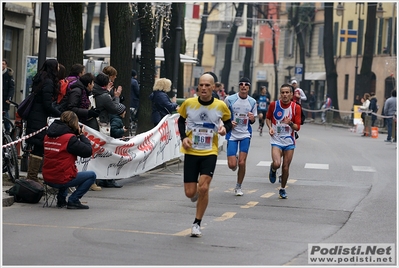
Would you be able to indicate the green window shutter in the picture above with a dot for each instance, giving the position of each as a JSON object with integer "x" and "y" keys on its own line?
{"x": 380, "y": 32}
{"x": 335, "y": 38}
{"x": 349, "y": 44}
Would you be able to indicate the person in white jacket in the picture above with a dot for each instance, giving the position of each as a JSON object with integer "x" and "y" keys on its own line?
{"x": 294, "y": 83}
{"x": 364, "y": 108}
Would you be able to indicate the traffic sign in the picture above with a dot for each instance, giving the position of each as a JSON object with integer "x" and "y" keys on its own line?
{"x": 298, "y": 72}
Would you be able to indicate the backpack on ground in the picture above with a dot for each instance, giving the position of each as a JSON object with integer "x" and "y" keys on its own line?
{"x": 26, "y": 191}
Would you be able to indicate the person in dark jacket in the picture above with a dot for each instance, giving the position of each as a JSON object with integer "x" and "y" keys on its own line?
{"x": 78, "y": 99}
{"x": 63, "y": 143}
{"x": 79, "y": 103}
{"x": 161, "y": 103}
{"x": 118, "y": 130}
{"x": 46, "y": 87}
{"x": 8, "y": 91}
{"x": 104, "y": 102}
{"x": 373, "y": 107}
{"x": 134, "y": 91}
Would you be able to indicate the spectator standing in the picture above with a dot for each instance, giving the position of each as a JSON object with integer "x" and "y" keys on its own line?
{"x": 365, "y": 108}
{"x": 283, "y": 118}
{"x": 312, "y": 103}
{"x": 79, "y": 102}
{"x": 112, "y": 74}
{"x": 106, "y": 105}
{"x": 46, "y": 87}
{"x": 373, "y": 107}
{"x": 64, "y": 142}
{"x": 161, "y": 103}
{"x": 220, "y": 91}
{"x": 116, "y": 121}
{"x": 77, "y": 70}
{"x": 302, "y": 95}
{"x": 199, "y": 126}
{"x": 326, "y": 105}
{"x": 390, "y": 110}
{"x": 134, "y": 92}
{"x": 8, "y": 91}
{"x": 243, "y": 110}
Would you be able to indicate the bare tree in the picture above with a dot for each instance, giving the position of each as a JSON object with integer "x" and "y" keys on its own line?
{"x": 328, "y": 46}
{"x": 364, "y": 83}
{"x": 246, "y": 66}
{"x": 121, "y": 28}
{"x": 229, "y": 46}
{"x": 103, "y": 14}
{"x": 68, "y": 17}
{"x": 147, "y": 63}
{"x": 170, "y": 45}
{"x": 302, "y": 18}
{"x": 88, "y": 32}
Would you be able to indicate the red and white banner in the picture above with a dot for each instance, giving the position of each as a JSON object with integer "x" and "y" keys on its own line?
{"x": 118, "y": 159}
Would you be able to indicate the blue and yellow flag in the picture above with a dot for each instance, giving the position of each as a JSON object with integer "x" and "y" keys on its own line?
{"x": 348, "y": 35}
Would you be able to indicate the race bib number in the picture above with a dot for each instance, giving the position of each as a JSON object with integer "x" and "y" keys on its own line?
{"x": 241, "y": 119}
{"x": 202, "y": 138}
{"x": 283, "y": 130}
{"x": 262, "y": 105}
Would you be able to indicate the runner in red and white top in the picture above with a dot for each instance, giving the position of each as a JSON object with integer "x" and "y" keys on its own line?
{"x": 283, "y": 118}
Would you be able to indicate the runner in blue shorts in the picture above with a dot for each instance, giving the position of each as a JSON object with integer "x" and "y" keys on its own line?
{"x": 283, "y": 118}
{"x": 243, "y": 112}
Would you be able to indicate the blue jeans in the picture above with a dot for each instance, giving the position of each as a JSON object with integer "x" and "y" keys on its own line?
{"x": 7, "y": 126}
{"x": 82, "y": 182}
{"x": 389, "y": 126}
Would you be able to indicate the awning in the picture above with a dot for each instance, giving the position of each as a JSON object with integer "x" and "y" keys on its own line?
{"x": 315, "y": 76}
{"x": 104, "y": 52}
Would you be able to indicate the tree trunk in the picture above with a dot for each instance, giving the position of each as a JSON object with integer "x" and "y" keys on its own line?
{"x": 365, "y": 76}
{"x": 68, "y": 18}
{"x": 331, "y": 71}
{"x": 88, "y": 32}
{"x": 147, "y": 63}
{"x": 170, "y": 48}
{"x": 229, "y": 47}
{"x": 121, "y": 28}
{"x": 246, "y": 66}
{"x": 103, "y": 13}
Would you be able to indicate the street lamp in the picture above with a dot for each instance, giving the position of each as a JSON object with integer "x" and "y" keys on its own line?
{"x": 340, "y": 9}
{"x": 380, "y": 11}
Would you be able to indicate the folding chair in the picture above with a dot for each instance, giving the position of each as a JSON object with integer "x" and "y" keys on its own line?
{"x": 50, "y": 194}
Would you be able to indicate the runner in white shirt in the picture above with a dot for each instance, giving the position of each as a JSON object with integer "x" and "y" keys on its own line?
{"x": 243, "y": 112}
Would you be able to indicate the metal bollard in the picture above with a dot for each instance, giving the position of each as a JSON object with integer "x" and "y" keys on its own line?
{"x": 329, "y": 116}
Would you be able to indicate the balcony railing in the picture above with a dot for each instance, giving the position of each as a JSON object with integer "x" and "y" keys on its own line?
{"x": 218, "y": 27}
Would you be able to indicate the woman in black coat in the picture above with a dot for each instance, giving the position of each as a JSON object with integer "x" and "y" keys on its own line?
{"x": 161, "y": 103}
{"x": 46, "y": 87}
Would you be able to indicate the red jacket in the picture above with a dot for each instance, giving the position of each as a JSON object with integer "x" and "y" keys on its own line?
{"x": 59, "y": 165}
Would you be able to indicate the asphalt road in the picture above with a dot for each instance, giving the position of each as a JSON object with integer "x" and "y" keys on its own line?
{"x": 342, "y": 189}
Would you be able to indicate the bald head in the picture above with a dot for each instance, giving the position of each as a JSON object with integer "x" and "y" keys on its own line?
{"x": 205, "y": 87}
